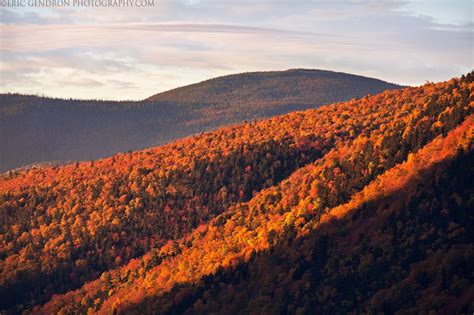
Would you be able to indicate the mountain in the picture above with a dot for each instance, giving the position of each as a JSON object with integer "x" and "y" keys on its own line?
{"x": 38, "y": 129}
{"x": 359, "y": 206}
{"x": 277, "y": 88}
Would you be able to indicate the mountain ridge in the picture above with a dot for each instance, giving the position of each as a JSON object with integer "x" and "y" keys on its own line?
{"x": 35, "y": 129}
{"x": 263, "y": 75}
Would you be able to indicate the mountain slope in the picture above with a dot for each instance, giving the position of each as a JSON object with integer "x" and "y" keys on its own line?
{"x": 209, "y": 270}
{"x": 255, "y": 183}
{"x": 378, "y": 255}
{"x": 395, "y": 246}
{"x": 36, "y": 129}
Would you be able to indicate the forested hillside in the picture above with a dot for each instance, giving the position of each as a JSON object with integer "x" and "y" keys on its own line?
{"x": 39, "y": 129}
{"x": 363, "y": 205}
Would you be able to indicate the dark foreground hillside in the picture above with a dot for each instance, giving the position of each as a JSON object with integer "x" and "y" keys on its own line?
{"x": 359, "y": 206}
{"x": 37, "y": 129}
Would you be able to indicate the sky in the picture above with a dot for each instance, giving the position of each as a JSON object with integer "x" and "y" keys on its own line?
{"x": 132, "y": 53}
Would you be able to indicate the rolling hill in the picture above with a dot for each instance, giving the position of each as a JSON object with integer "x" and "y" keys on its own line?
{"x": 39, "y": 129}
{"x": 358, "y": 206}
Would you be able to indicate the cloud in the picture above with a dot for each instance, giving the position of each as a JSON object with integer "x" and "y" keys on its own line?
{"x": 134, "y": 53}
{"x": 21, "y": 38}
{"x": 118, "y": 84}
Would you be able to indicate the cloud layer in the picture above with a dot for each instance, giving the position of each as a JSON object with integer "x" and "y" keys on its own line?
{"x": 123, "y": 53}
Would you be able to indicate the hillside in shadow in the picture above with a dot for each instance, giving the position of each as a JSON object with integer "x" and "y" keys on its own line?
{"x": 38, "y": 129}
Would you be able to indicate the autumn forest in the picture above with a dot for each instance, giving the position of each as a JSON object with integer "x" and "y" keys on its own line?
{"x": 360, "y": 203}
